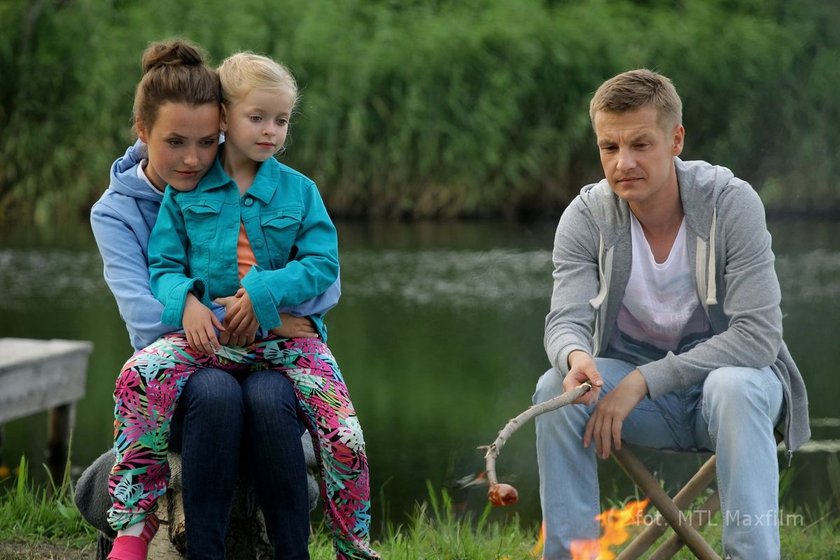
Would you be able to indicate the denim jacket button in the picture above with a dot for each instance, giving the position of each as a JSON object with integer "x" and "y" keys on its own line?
{"x": 249, "y": 201}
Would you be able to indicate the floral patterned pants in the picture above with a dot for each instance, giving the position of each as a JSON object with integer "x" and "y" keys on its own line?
{"x": 148, "y": 389}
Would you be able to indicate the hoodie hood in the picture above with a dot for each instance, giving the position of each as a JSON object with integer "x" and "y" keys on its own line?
{"x": 701, "y": 184}
{"x": 124, "y": 178}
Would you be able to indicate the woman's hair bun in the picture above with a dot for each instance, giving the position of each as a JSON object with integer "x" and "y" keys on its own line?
{"x": 172, "y": 53}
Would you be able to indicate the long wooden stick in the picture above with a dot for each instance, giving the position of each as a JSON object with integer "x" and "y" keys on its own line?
{"x": 650, "y": 486}
{"x": 644, "y": 540}
{"x": 493, "y": 450}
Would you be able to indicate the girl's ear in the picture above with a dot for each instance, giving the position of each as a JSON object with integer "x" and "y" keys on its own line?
{"x": 142, "y": 133}
{"x": 223, "y": 119}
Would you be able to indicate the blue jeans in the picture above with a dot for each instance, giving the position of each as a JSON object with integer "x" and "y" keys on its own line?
{"x": 732, "y": 413}
{"x": 257, "y": 415}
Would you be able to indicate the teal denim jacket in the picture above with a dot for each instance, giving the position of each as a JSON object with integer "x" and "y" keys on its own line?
{"x": 193, "y": 244}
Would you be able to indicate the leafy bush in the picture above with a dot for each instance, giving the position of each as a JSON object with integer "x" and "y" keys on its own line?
{"x": 434, "y": 108}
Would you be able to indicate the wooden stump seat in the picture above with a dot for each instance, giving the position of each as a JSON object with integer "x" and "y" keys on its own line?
{"x": 246, "y": 539}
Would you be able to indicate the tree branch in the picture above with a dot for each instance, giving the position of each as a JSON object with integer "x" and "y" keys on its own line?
{"x": 505, "y": 494}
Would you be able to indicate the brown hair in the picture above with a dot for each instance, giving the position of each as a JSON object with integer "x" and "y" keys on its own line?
{"x": 173, "y": 71}
{"x": 636, "y": 89}
{"x": 245, "y": 71}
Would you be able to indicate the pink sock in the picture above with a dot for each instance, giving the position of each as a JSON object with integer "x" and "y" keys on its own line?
{"x": 128, "y": 547}
{"x": 131, "y": 547}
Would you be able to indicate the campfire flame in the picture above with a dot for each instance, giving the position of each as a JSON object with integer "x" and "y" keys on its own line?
{"x": 536, "y": 552}
{"x": 614, "y": 523}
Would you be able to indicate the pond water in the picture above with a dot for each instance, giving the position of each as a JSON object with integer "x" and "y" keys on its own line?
{"x": 439, "y": 335}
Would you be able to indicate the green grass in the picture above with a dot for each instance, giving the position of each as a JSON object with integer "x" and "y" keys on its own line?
{"x": 48, "y": 514}
{"x": 435, "y": 532}
{"x": 44, "y": 523}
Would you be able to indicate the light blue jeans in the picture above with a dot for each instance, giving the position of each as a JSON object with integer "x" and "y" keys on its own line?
{"x": 732, "y": 413}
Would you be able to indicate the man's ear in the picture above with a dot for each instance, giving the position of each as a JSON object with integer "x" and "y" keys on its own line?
{"x": 679, "y": 140}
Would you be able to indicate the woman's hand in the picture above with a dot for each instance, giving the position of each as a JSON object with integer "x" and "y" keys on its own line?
{"x": 295, "y": 327}
{"x": 200, "y": 326}
{"x": 240, "y": 321}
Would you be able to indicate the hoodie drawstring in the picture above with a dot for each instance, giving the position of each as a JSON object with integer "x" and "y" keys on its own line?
{"x": 707, "y": 285}
{"x": 605, "y": 259}
{"x": 711, "y": 292}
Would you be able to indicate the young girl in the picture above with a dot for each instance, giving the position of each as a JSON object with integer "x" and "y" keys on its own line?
{"x": 256, "y": 231}
{"x": 177, "y": 115}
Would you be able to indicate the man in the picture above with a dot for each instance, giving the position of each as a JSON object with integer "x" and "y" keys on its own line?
{"x": 666, "y": 300}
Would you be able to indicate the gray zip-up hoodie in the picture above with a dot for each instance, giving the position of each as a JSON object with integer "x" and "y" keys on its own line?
{"x": 729, "y": 246}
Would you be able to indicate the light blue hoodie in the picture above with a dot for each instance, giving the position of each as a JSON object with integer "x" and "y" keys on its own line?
{"x": 122, "y": 220}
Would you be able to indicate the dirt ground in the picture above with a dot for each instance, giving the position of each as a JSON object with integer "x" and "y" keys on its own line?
{"x": 42, "y": 551}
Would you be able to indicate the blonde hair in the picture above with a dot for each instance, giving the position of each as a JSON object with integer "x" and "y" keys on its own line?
{"x": 173, "y": 71}
{"x": 636, "y": 89}
{"x": 245, "y": 71}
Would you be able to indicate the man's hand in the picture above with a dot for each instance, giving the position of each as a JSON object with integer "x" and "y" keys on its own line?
{"x": 295, "y": 327}
{"x": 240, "y": 321}
{"x": 582, "y": 369}
{"x": 199, "y": 326}
{"x": 605, "y": 424}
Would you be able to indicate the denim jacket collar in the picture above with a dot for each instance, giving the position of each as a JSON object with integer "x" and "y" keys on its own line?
{"x": 263, "y": 187}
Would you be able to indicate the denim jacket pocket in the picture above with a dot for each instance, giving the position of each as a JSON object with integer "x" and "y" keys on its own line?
{"x": 280, "y": 229}
{"x": 201, "y": 219}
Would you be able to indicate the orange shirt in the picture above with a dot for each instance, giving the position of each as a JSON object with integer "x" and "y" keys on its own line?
{"x": 244, "y": 254}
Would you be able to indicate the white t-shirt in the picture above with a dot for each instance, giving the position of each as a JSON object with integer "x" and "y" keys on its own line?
{"x": 661, "y": 310}
{"x": 141, "y": 173}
